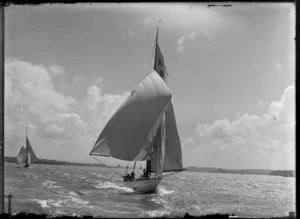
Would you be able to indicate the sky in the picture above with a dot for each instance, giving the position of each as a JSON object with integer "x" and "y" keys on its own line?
{"x": 68, "y": 67}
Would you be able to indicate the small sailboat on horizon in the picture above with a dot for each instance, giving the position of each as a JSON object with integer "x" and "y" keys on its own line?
{"x": 144, "y": 129}
{"x": 26, "y": 155}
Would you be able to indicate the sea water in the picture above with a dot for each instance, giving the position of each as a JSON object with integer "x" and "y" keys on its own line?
{"x": 99, "y": 191}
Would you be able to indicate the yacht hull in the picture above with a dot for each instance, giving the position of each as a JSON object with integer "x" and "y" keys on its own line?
{"x": 143, "y": 185}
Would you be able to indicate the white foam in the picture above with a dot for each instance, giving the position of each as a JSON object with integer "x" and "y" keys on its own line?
{"x": 106, "y": 185}
{"x": 50, "y": 184}
{"x": 56, "y": 203}
{"x": 155, "y": 213}
{"x": 162, "y": 191}
{"x": 73, "y": 197}
{"x": 71, "y": 200}
{"x": 43, "y": 203}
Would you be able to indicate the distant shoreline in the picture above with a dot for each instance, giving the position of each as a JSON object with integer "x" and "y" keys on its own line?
{"x": 284, "y": 173}
{"x": 55, "y": 162}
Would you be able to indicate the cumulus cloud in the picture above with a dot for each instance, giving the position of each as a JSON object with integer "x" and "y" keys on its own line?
{"x": 98, "y": 80}
{"x": 31, "y": 85}
{"x": 57, "y": 71}
{"x": 107, "y": 104}
{"x": 55, "y": 131}
{"x": 284, "y": 109}
{"x": 32, "y": 99}
{"x": 183, "y": 39}
{"x": 268, "y": 137}
{"x": 57, "y": 125}
{"x": 188, "y": 143}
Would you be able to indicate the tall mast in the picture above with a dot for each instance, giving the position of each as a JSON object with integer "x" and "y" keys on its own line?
{"x": 156, "y": 41}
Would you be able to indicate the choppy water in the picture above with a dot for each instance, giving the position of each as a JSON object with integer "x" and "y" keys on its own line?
{"x": 78, "y": 190}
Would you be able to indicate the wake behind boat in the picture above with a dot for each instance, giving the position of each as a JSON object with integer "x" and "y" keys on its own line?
{"x": 144, "y": 129}
{"x": 26, "y": 155}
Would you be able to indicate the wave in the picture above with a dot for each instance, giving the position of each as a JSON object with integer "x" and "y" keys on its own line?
{"x": 108, "y": 185}
{"x": 69, "y": 200}
{"x": 162, "y": 191}
{"x": 50, "y": 184}
{"x": 154, "y": 214}
{"x": 75, "y": 199}
{"x": 43, "y": 203}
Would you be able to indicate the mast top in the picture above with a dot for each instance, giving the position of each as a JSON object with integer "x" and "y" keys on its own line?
{"x": 159, "y": 21}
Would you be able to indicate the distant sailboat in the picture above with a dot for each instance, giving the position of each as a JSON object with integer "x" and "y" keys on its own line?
{"x": 144, "y": 129}
{"x": 26, "y": 155}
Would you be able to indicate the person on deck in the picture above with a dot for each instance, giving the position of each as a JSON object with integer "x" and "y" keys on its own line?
{"x": 144, "y": 173}
{"x": 132, "y": 175}
{"x": 128, "y": 177}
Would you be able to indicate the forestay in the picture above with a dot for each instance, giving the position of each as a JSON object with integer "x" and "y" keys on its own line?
{"x": 129, "y": 133}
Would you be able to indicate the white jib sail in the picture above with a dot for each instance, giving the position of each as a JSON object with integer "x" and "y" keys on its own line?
{"x": 134, "y": 125}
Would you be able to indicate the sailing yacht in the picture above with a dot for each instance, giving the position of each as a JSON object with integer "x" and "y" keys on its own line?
{"x": 26, "y": 154}
{"x": 144, "y": 129}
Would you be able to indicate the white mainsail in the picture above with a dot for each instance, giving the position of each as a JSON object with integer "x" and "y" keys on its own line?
{"x": 21, "y": 159}
{"x": 129, "y": 133}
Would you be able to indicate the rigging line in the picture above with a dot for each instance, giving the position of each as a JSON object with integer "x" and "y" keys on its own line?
{"x": 152, "y": 57}
{"x": 98, "y": 160}
{"x": 134, "y": 166}
{"x": 111, "y": 167}
{"x": 126, "y": 168}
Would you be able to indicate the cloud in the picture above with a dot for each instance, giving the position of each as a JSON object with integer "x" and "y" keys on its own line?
{"x": 107, "y": 104}
{"x": 261, "y": 103}
{"x": 67, "y": 126}
{"x": 55, "y": 131}
{"x": 188, "y": 143}
{"x": 98, "y": 80}
{"x": 30, "y": 85}
{"x": 264, "y": 138}
{"x": 147, "y": 21}
{"x": 57, "y": 71}
{"x": 57, "y": 124}
{"x": 130, "y": 33}
{"x": 182, "y": 40}
{"x": 78, "y": 78}
{"x": 284, "y": 110}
